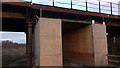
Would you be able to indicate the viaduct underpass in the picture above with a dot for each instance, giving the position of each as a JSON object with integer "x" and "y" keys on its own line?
{"x": 60, "y": 36}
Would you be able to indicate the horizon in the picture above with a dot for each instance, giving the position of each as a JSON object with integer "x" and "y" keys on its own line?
{"x": 11, "y": 42}
{"x": 18, "y": 37}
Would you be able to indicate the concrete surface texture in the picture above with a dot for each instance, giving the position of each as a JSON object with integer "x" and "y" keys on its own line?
{"x": 100, "y": 44}
{"x": 85, "y": 46}
{"x": 78, "y": 46}
{"x": 49, "y": 42}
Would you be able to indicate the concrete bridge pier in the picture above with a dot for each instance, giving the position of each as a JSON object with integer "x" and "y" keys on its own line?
{"x": 86, "y": 45}
{"x": 48, "y": 42}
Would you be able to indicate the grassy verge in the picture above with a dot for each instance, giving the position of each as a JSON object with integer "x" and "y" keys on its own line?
{"x": 9, "y": 59}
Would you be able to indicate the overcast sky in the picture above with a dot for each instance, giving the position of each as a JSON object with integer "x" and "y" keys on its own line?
{"x": 115, "y": 1}
{"x": 20, "y": 37}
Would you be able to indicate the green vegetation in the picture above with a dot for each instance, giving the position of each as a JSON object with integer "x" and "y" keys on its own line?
{"x": 10, "y": 59}
{"x": 13, "y": 54}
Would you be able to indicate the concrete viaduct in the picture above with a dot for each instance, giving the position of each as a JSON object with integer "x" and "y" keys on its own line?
{"x": 57, "y": 34}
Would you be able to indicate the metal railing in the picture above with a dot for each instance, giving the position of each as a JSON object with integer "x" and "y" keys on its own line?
{"x": 113, "y": 60}
{"x": 98, "y": 6}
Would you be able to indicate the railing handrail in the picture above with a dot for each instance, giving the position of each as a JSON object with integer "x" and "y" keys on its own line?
{"x": 114, "y": 61}
{"x": 86, "y": 4}
{"x": 114, "y": 56}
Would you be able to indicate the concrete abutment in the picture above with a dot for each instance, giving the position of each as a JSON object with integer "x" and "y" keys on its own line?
{"x": 86, "y": 45}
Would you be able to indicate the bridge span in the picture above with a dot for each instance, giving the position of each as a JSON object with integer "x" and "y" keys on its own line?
{"x": 56, "y": 35}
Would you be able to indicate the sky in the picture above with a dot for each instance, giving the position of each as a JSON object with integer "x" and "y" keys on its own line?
{"x": 115, "y": 1}
{"x": 20, "y": 37}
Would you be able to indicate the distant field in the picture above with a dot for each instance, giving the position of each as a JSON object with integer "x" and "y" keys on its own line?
{"x": 13, "y": 53}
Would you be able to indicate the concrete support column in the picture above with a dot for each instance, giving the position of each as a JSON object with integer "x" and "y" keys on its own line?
{"x": 100, "y": 44}
{"x": 86, "y": 45}
{"x": 48, "y": 42}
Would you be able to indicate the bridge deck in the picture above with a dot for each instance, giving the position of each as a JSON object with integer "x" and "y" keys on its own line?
{"x": 64, "y": 10}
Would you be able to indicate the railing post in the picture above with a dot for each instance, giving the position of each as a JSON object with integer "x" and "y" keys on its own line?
{"x": 111, "y": 7}
{"x": 86, "y": 6}
{"x": 40, "y": 12}
{"x": 99, "y": 7}
{"x": 53, "y": 3}
{"x": 71, "y": 4}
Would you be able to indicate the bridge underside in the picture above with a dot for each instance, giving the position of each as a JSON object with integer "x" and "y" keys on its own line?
{"x": 70, "y": 43}
{"x": 71, "y": 39}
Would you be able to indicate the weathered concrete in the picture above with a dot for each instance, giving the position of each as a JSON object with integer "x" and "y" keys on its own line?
{"x": 87, "y": 45}
{"x": 78, "y": 46}
{"x": 100, "y": 44}
{"x": 48, "y": 42}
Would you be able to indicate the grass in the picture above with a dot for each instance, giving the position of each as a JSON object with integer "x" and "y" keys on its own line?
{"x": 9, "y": 59}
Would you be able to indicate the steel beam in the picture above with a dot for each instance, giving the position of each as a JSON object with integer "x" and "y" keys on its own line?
{"x": 65, "y": 10}
{"x": 112, "y": 45}
{"x": 29, "y": 45}
{"x": 72, "y": 11}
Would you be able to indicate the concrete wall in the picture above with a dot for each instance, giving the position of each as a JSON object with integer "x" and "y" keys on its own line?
{"x": 48, "y": 42}
{"x": 87, "y": 45}
{"x": 78, "y": 46}
{"x": 100, "y": 44}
